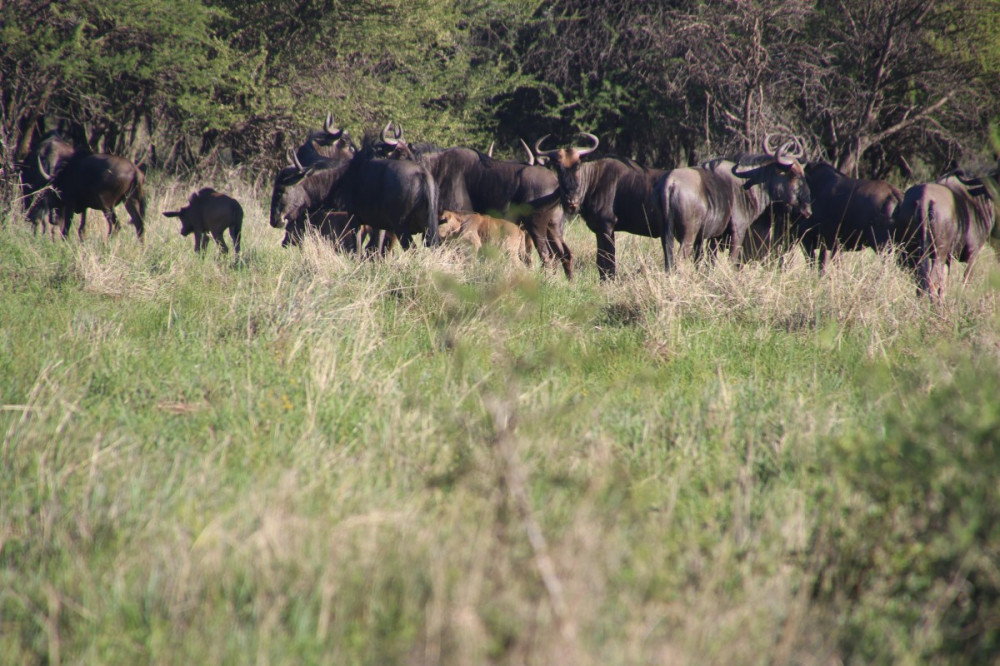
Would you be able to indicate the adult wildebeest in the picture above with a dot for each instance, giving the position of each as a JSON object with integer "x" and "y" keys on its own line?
{"x": 721, "y": 198}
{"x": 847, "y": 213}
{"x": 40, "y": 200}
{"x": 95, "y": 180}
{"x": 469, "y": 180}
{"x": 951, "y": 217}
{"x": 211, "y": 212}
{"x": 392, "y": 195}
{"x": 611, "y": 194}
{"x": 478, "y": 230}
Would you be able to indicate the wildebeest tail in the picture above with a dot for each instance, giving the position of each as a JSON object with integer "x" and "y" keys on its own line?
{"x": 236, "y": 229}
{"x": 667, "y": 222}
{"x": 430, "y": 189}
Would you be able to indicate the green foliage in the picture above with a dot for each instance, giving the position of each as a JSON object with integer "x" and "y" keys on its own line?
{"x": 918, "y": 543}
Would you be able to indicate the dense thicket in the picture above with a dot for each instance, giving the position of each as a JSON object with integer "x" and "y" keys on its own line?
{"x": 877, "y": 85}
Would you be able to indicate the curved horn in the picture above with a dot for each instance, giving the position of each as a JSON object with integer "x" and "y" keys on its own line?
{"x": 330, "y": 128}
{"x": 385, "y": 136}
{"x": 531, "y": 155}
{"x": 538, "y": 145}
{"x": 547, "y": 154}
{"x": 297, "y": 163}
{"x": 767, "y": 144}
{"x": 41, "y": 169}
{"x": 489, "y": 152}
{"x": 586, "y": 151}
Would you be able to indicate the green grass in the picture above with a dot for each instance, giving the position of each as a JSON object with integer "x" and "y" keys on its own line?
{"x": 300, "y": 458}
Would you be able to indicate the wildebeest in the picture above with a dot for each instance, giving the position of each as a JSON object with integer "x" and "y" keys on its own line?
{"x": 847, "y": 213}
{"x": 478, "y": 230}
{"x": 99, "y": 181}
{"x": 721, "y": 198}
{"x": 211, "y": 212}
{"x": 951, "y": 217}
{"x": 41, "y": 202}
{"x": 392, "y": 195}
{"x": 330, "y": 143}
{"x": 469, "y": 180}
{"x": 611, "y": 194}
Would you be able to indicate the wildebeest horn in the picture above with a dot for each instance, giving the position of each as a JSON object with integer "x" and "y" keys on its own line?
{"x": 767, "y": 144}
{"x": 386, "y": 139}
{"x": 489, "y": 152}
{"x": 41, "y": 169}
{"x": 531, "y": 155}
{"x": 550, "y": 154}
{"x": 296, "y": 162}
{"x": 586, "y": 151}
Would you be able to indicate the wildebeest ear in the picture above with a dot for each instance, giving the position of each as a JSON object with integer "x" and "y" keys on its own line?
{"x": 171, "y": 213}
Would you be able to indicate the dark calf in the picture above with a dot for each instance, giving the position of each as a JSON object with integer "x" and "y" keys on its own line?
{"x": 211, "y": 212}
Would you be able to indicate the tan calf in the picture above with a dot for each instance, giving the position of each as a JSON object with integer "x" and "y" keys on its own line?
{"x": 478, "y": 230}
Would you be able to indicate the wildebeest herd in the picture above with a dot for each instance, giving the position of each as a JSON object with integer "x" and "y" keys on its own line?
{"x": 389, "y": 190}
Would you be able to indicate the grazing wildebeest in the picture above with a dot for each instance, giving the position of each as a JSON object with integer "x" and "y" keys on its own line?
{"x": 847, "y": 213}
{"x": 611, "y": 194}
{"x": 469, "y": 180}
{"x": 95, "y": 180}
{"x": 41, "y": 202}
{"x": 211, "y": 212}
{"x": 392, "y": 195}
{"x": 478, "y": 230}
{"x": 721, "y": 198}
{"x": 951, "y": 217}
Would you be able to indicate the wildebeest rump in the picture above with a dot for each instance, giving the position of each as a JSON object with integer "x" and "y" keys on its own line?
{"x": 94, "y": 180}
{"x": 211, "y": 212}
{"x": 951, "y": 217}
{"x": 472, "y": 181}
{"x": 611, "y": 194}
{"x": 392, "y": 195}
{"x": 721, "y": 198}
{"x": 478, "y": 230}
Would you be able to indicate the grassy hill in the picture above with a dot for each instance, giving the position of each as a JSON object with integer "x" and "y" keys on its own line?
{"x": 304, "y": 458}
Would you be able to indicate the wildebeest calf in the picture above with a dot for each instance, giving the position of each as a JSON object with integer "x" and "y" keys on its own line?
{"x": 211, "y": 212}
{"x": 478, "y": 230}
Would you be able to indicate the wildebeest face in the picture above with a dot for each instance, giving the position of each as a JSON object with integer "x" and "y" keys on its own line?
{"x": 567, "y": 164}
{"x": 784, "y": 183}
{"x": 185, "y": 215}
{"x": 288, "y": 199}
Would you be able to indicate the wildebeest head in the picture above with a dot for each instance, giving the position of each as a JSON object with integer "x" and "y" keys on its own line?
{"x": 781, "y": 174}
{"x": 567, "y": 164}
{"x": 187, "y": 213}
{"x": 330, "y": 143}
{"x": 289, "y": 201}
{"x": 392, "y": 145}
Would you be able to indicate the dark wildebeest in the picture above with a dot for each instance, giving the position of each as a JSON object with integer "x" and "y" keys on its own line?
{"x": 721, "y": 198}
{"x": 611, "y": 194}
{"x": 333, "y": 145}
{"x": 472, "y": 181}
{"x": 847, "y": 213}
{"x": 211, "y": 212}
{"x": 95, "y": 180}
{"x": 951, "y": 217}
{"x": 392, "y": 195}
{"x": 40, "y": 200}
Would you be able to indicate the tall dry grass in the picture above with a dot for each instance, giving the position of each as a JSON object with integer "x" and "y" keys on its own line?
{"x": 300, "y": 457}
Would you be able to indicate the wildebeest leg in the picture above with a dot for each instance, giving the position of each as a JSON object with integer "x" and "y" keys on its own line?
{"x": 135, "y": 214}
{"x": 236, "y": 233}
{"x": 736, "y": 249}
{"x": 606, "y": 253}
{"x": 541, "y": 245}
{"x": 221, "y": 240}
{"x": 199, "y": 241}
{"x": 83, "y": 223}
{"x": 112, "y": 219}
